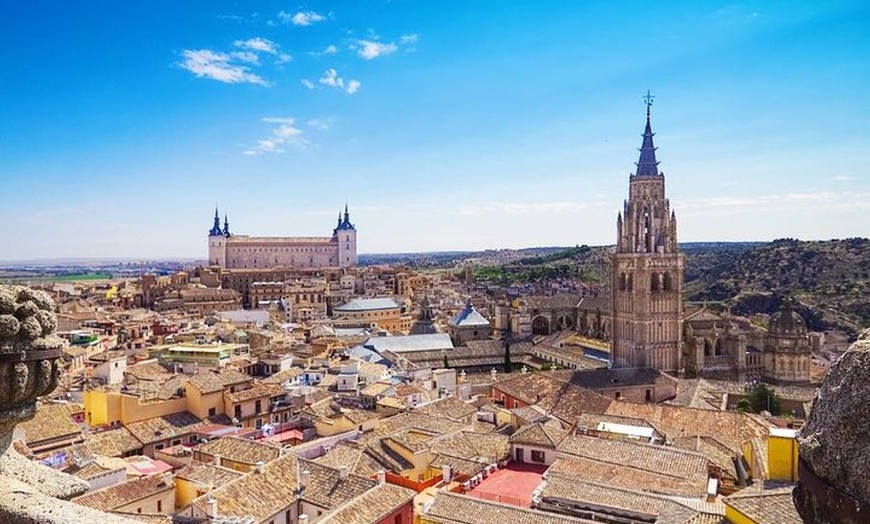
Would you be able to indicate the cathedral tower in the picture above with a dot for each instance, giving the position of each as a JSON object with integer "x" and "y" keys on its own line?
{"x": 647, "y": 271}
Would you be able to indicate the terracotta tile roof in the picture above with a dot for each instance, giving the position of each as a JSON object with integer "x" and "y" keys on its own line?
{"x": 627, "y": 477}
{"x": 570, "y": 490}
{"x": 92, "y": 470}
{"x": 262, "y": 495}
{"x": 770, "y": 507}
{"x": 128, "y": 492}
{"x": 602, "y": 378}
{"x": 538, "y": 435}
{"x": 257, "y": 390}
{"x": 450, "y": 408}
{"x": 717, "y": 452}
{"x": 282, "y": 376}
{"x": 148, "y": 518}
{"x": 730, "y": 428}
{"x": 662, "y": 460}
{"x": 241, "y": 450}
{"x": 371, "y": 506}
{"x": 207, "y": 474}
{"x": 450, "y": 508}
{"x": 353, "y": 457}
{"x": 562, "y": 399}
{"x": 212, "y": 381}
{"x": 481, "y": 447}
{"x": 165, "y": 427}
{"x": 113, "y": 442}
{"x": 377, "y": 388}
{"x": 52, "y": 422}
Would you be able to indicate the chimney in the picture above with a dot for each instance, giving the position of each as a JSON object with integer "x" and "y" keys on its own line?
{"x": 261, "y": 466}
{"x": 211, "y": 507}
{"x": 216, "y": 460}
{"x": 303, "y": 519}
{"x": 382, "y": 476}
{"x": 168, "y": 479}
{"x": 343, "y": 471}
{"x": 306, "y": 478}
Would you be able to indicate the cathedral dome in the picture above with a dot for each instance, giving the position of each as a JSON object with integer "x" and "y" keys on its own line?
{"x": 787, "y": 322}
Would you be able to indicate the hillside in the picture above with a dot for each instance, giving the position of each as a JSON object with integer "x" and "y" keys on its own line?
{"x": 830, "y": 280}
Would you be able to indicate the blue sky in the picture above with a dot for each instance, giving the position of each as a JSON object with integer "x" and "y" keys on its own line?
{"x": 444, "y": 125}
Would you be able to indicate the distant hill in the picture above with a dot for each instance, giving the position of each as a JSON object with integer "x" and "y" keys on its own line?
{"x": 830, "y": 279}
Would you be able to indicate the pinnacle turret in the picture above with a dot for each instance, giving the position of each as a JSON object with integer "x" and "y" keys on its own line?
{"x": 216, "y": 227}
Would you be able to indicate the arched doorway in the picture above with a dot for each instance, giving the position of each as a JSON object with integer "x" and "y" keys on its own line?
{"x": 540, "y": 326}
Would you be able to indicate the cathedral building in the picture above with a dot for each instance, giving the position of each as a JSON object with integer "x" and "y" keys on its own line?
{"x": 648, "y": 325}
{"x": 647, "y": 271}
{"x": 244, "y": 252}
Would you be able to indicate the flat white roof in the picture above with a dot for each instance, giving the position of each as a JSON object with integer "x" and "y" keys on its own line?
{"x": 783, "y": 432}
{"x": 624, "y": 429}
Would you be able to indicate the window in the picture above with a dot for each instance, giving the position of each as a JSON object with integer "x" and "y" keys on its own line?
{"x": 159, "y": 506}
{"x": 649, "y": 395}
{"x": 258, "y": 407}
{"x": 618, "y": 396}
{"x": 176, "y": 442}
{"x": 538, "y": 456}
{"x": 159, "y": 446}
{"x": 398, "y": 519}
{"x": 212, "y": 412}
{"x": 237, "y": 411}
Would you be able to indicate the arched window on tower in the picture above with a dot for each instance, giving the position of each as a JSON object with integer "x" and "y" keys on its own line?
{"x": 666, "y": 282}
{"x": 630, "y": 284}
{"x": 654, "y": 282}
{"x": 708, "y": 348}
{"x": 718, "y": 347}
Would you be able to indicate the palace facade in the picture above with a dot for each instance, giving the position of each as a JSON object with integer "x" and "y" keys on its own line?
{"x": 245, "y": 252}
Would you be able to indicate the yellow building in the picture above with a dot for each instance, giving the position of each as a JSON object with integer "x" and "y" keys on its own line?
{"x": 197, "y": 479}
{"x": 782, "y": 455}
{"x": 765, "y": 507}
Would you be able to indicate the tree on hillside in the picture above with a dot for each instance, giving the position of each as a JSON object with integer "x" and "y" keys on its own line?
{"x": 508, "y": 366}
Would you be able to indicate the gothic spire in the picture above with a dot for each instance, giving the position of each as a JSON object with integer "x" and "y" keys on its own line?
{"x": 226, "y": 226}
{"x": 647, "y": 164}
{"x": 216, "y": 227}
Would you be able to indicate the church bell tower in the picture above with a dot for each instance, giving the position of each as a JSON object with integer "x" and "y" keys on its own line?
{"x": 647, "y": 271}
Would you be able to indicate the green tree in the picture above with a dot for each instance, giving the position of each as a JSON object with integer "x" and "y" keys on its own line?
{"x": 762, "y": 398}
{"x": 446, "y": 364}
{"x": 743, "y": 405}
{"x": 508, "y": 366}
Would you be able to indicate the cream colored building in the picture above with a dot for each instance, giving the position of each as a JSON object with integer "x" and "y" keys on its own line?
{"x": 244, "y": 252}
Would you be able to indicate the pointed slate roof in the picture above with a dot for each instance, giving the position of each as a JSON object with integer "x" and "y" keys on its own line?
{"x": 647, "y": 164}
{"x": 468, "y": 317}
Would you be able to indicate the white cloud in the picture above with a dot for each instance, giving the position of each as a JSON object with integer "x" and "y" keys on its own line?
{"x": 726, "y": 206}
{"x": 246, "y": 56}
{"x": 258, "y": 44}
{"x": 409, "y": 38}
{"x": 285, "y": 133}
{"x": 205, "y": 63}
{"x": 506, "y": 208}
{"x": 283, "y": 58}
{"x": 330, "y": 78}
{"x": 319, "y": 124}
{"x": 369, "y": 49}
{"x": 303, "y": 18}
{"x": 329, "y": 50}
{"x": 307, "y": 83}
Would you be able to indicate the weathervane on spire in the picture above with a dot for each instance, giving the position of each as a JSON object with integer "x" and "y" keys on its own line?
{"x": 649, "y": 101}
